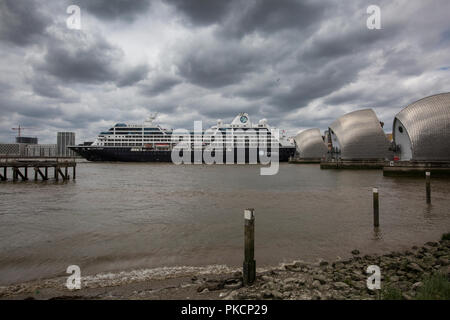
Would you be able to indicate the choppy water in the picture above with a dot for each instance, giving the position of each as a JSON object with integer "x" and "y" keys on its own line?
{"x": 127, "y": 216}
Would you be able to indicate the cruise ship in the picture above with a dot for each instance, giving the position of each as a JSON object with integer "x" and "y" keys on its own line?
{"x": 241, "y": 141}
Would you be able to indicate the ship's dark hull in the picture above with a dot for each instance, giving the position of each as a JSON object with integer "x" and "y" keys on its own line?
{"x": 125, "y": 154}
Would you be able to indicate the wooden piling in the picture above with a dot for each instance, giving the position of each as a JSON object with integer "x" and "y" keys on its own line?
{"x": 249, "y": 266}
{"x": 61, "y": 173}
{"x": 376, "y": 213}
{"x": 20, "y": 168}
{"x": 74, "y": 171}
{"x": 428, "y": 186}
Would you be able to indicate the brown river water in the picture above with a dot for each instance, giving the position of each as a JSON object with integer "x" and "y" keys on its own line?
{"x": 119, "y": 216}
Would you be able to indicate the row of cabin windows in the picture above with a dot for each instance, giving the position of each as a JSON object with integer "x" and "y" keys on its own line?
{"x": 192, "y": 141}
{"x": 213, "y": 144}
{"x": 193, "y": 138}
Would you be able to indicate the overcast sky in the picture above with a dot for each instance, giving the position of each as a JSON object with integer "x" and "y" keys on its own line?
{"x": 300, "y": 64}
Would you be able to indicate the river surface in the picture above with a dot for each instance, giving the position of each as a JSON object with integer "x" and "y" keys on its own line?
{"x": 119, "y": 216}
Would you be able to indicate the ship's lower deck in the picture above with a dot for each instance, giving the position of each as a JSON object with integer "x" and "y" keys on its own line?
{"x": 129, "y": 154}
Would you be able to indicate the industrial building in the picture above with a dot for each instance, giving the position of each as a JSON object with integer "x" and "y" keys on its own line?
{"x": 63, "y": 140}
{"x": 41, "y": 150}
{"x": 310, "y": 144}
{"x": 359, "y": 135}
{"x": 28, "y": 147}
{"x": 27, "y": 140}
{"x": 421, "y": 131}
{"x": 12, "y": 149}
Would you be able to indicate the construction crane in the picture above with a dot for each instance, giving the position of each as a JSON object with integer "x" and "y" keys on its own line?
{"x": 19, "y": 129}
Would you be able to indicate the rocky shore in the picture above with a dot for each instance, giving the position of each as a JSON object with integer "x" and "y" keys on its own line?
{"x": 403, "y": 273}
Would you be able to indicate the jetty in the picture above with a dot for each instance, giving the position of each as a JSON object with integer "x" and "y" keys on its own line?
{"x": 416, "y": 168}
{"x": 353, "y": 164}
{"x": 19, "y": 167}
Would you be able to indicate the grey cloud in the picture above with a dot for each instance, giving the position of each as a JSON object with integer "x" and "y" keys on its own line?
{"x": 47, "y": 86}
{"x": 79, "y": 57}
{"x": 159, "y": 84}
{"x": 338, "y": 43}
{"x": 132, "y": 76}
{"x": 219, "y": 58}
{"x": 269, "y": 16}
{"x": 240, "y": 17}
{"x": 314, "y": 84}
{"x": 114, "y": 9}
{"x": 202, "y": 12}
{"x": 75, "y": 56}
{"x": 31, "y": 109}
{"x": 406, "y": 61}
{"x": 21, "y": 22}
{"x": 217, "y": 64}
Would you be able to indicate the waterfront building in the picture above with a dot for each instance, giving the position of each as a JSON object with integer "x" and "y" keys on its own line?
{"x": 359, "y": 135}
{"x": 12, "y": 149}
{"x": 421, "y": 131}
{"x": 27, "y": 140}
{"x": 63, "y": 141}
{"x": 310, "y": 144}
{"x": 41, "y": 150}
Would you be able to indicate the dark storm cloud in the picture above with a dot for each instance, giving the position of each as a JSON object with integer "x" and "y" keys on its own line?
{"x": 338, "y": 43}
{"x": 46, "y": 87}
{"x": 239, "y": 17}
{"x": 132, "y": 76}
{"x": 78, "y": 57}
{"x": 49, "y": 87}
{"x": 113, "y": 9}
{"x": 202, "y": 12}
{"x": 269, "y": 16}
{"x": 297, "y": 63}
{"x": 157, "y": 85}
{"x": 217, "y": 64}
{"x": 21, "y": 22}
{"x": 31, "y": 109}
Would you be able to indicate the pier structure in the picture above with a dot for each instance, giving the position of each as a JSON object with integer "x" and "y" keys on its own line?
{"x": 416, "y": 168}
{"x": 19, "y": 168}
{"x": 353, "y": 164}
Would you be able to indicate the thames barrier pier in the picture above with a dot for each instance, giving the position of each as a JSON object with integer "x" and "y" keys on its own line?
{"x": 19, "y": 168}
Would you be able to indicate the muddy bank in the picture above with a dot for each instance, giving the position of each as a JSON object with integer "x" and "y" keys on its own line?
{"x": 343, "y": 279}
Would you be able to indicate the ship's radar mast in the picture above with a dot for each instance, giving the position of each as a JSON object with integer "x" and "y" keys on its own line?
{"x": 151, "y": 117}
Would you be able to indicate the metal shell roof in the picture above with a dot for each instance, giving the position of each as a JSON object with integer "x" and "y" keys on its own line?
{"x": 427, "y": 122}
{"x": 310, "y": 144}
{"x": 360, "y": 135}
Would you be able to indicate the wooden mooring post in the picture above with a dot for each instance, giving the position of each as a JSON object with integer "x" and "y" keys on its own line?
{"x": 428, "y": 186}
{"x": 376, "y": 213}
{"x": 249, "y": 267}
{"x": 4, "y": 177}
